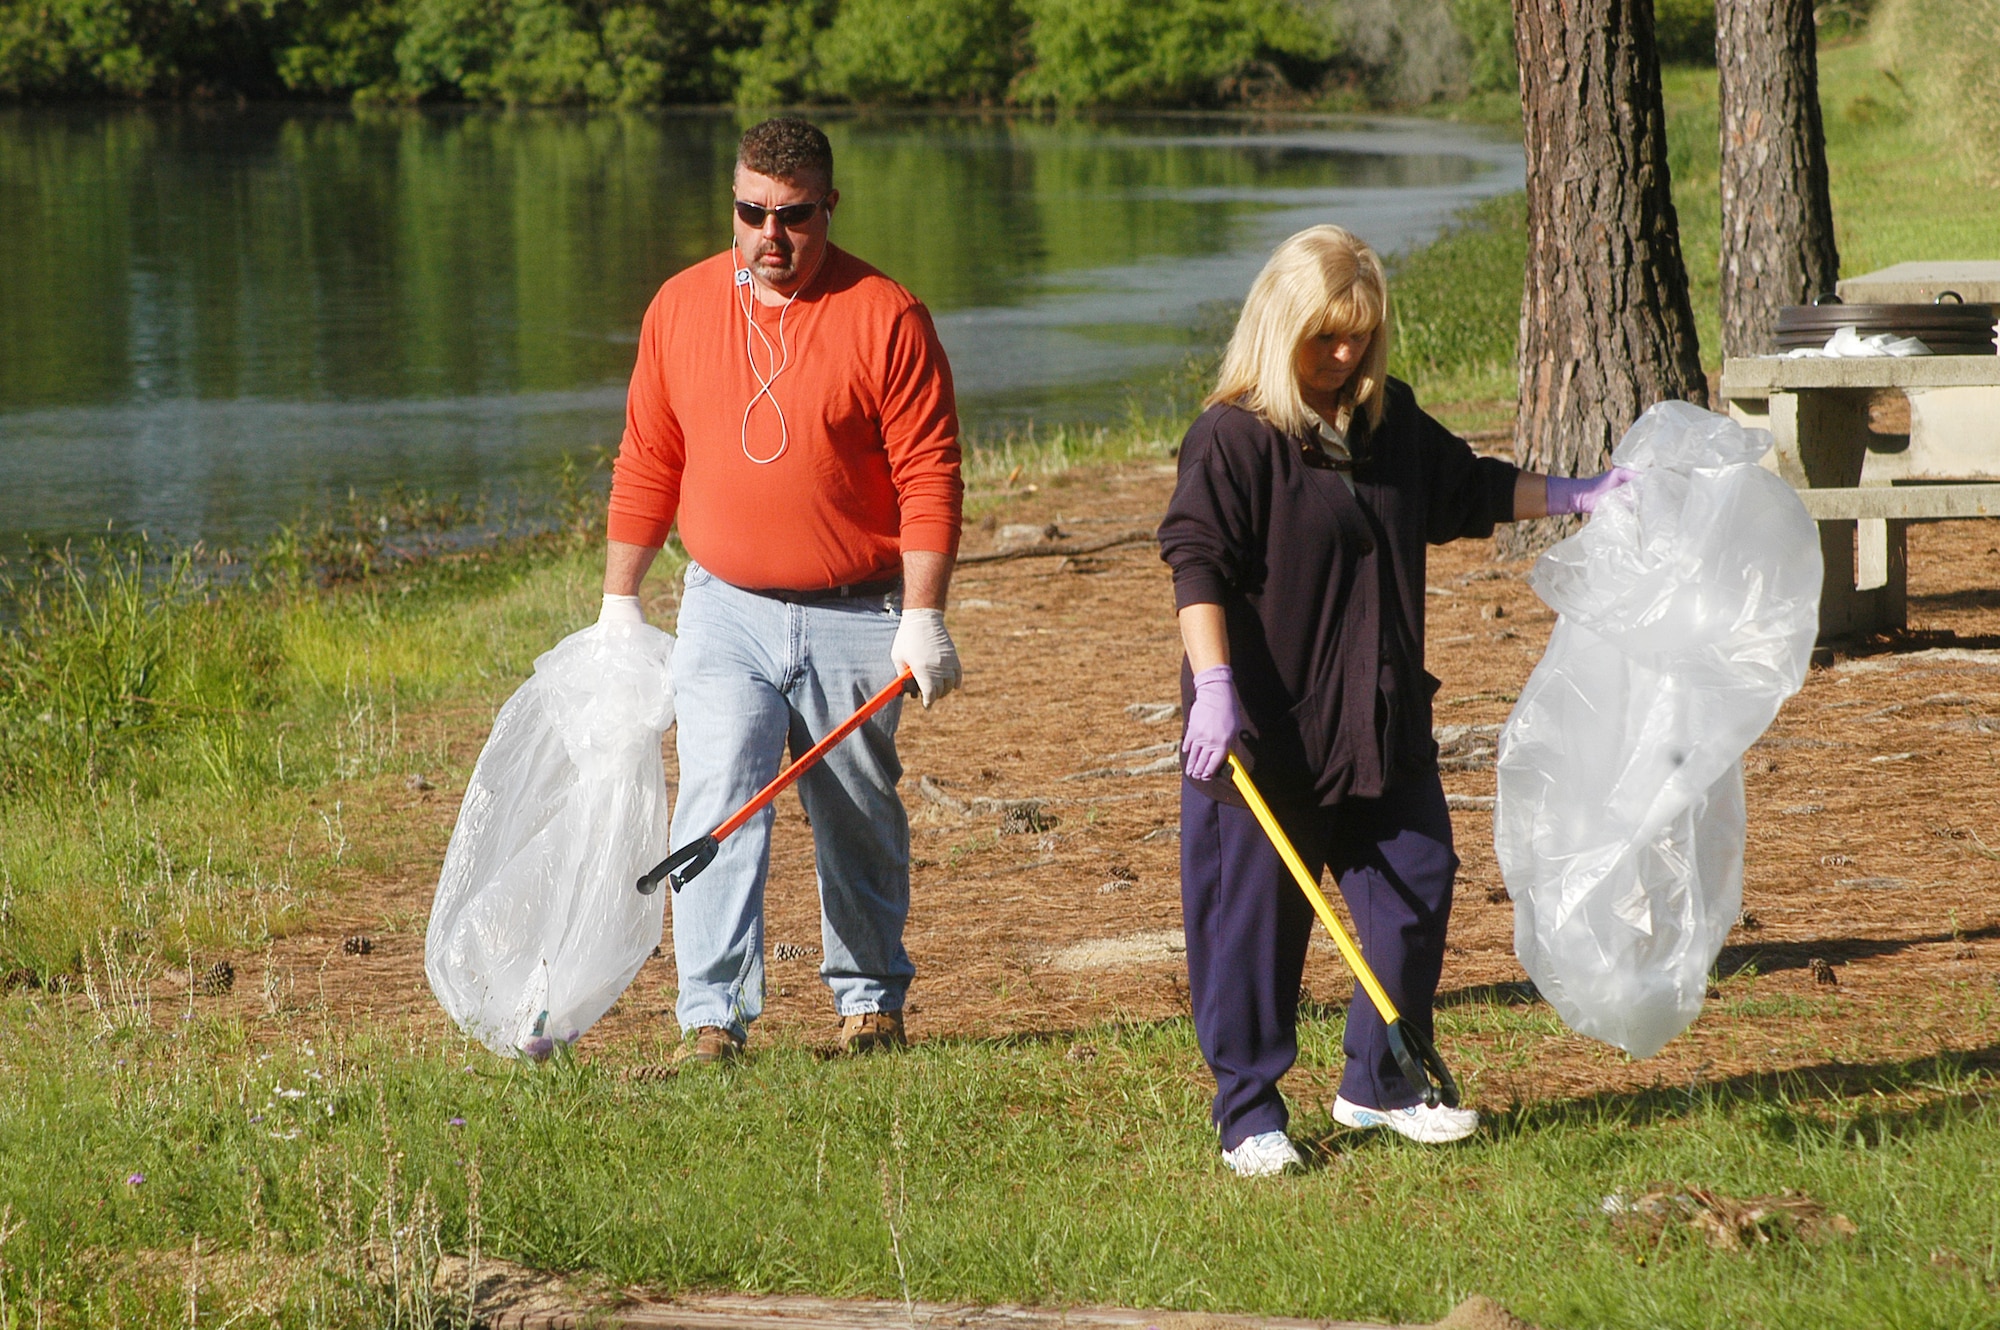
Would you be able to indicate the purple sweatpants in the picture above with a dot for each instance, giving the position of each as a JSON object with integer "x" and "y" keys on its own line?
{"x": 1247, "y": 926}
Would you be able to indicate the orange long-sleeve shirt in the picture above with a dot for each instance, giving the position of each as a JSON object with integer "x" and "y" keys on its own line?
{"x": 871, "y": 468}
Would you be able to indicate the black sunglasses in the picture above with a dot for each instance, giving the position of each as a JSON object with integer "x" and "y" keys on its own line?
{"x": 788, "y": 214}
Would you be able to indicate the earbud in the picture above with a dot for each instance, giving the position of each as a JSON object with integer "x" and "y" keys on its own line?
{"x": 780, "y": 355}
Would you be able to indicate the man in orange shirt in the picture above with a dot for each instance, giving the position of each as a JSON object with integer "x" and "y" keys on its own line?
{"x": 792, "y": 408}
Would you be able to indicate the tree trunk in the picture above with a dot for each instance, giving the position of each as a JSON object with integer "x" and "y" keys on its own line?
{"x": 1777, "y": 222}
{"x": 1606, "y": 327}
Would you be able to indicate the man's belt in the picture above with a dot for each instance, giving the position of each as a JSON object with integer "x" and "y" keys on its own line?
{"x": 820, "y": 595}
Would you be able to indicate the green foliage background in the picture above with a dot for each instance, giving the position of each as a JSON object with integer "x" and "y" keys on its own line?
{"x": 1062, "y": 53}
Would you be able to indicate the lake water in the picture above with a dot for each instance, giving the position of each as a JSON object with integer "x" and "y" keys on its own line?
{"x": 213, "y": 320}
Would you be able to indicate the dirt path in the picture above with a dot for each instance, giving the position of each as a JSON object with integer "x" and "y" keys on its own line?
{"x": 1874, "y": 837}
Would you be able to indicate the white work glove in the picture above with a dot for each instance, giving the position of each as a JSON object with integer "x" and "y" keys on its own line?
{"x": 924, "y": 648}
{"x": 620, "y": 609}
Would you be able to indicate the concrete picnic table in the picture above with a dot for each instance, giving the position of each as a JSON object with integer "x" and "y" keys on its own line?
{"x": 1875, "y": 443}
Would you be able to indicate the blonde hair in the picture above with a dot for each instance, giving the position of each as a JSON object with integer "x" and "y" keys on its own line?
{"x": 1325, "y": 279}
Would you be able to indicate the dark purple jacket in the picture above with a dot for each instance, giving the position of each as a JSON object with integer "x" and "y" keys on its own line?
{"x": 1323, "y": 590}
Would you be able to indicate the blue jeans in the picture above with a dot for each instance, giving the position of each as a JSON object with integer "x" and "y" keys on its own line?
{"x": 752, "y": 674}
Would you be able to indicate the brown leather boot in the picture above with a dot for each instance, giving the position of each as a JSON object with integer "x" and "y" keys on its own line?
{"x": 872, "y": 1031}
{"x": 711, "y": 1043}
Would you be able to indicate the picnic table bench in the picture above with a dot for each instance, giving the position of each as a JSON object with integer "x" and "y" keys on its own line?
{"x": 1873, "y": 444}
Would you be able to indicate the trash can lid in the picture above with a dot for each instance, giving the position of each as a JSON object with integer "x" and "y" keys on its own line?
{"x": 1966, "y": 320}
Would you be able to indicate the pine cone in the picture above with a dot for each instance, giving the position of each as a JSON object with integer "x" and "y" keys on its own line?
{"x": 216, "y": 980}
{"x": 357, "y": 946}
{"x": 651, "y": 1073}
{"x": 1821, "y": 971}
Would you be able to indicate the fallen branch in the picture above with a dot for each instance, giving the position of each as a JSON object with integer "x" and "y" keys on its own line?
{"x": 1165, "y": 764}
{"x": 1069, "y": 548}
{"x": 1016, "y": 815}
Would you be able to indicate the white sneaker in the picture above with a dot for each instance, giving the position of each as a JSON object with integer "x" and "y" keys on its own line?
{"x": 1425, "y": 1125}
{"x": 1264, "y": 1155}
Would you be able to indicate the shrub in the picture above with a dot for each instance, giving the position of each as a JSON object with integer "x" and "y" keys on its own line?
{"x": 342, "y": 47}
{"x": 136, "y": 48}
{"x": 552, "y": 59}
{"x": 1162, "y": 52}
{"x": 1685, "y": 31}
{"x": 641, "y": 54}
{"x": 1488, "y": 29}
{"x": 449, "y": 48}
{"x": 1411, "y": 51}
{"x": 919, "y": 51}
{"x": 780, "y": 66}
{"x": 71, "y": 47}
{"x": 674, "y": 50}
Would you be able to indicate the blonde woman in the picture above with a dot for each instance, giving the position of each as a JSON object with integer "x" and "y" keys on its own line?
{"x": 1308, "y": 490}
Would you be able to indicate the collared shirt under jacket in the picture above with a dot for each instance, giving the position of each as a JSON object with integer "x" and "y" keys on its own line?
{"x": 1323, "y": 589}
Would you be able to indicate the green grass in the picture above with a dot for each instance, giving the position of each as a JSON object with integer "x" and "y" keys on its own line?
{"x": 1009, "y": 1171}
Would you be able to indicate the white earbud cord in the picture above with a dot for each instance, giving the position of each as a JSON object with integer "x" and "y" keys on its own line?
{"x": 780, "y": 356}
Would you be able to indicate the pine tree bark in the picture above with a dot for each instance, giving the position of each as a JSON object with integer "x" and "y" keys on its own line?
{"x": 1777, "y": 220}
{"x": 1606, "y": 327}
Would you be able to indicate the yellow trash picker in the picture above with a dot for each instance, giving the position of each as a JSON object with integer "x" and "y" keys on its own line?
{"x": 1414, "y": 1053}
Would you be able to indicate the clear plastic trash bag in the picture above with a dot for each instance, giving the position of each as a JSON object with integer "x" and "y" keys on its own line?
{"x": 1688, "y": 605}
{"x": 537, "y": 927}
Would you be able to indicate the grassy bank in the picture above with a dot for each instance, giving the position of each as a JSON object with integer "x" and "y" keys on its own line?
{"x": 181, "y": 751}
{"x": 175, "y": 738}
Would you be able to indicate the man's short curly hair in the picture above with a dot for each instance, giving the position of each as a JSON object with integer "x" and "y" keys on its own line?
{"x": 787, "y": 149}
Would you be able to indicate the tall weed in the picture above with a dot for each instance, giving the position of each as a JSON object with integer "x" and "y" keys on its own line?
{"x": 110, "y": 654}
{"x": 165, "y": 717}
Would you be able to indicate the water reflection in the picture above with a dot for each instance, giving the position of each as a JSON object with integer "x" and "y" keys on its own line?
{"x": 209, "y": 319}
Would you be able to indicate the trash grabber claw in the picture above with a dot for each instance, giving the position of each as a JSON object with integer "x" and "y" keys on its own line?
{"x": 1420, "y": 1062}
{"x": 683, "y": 864}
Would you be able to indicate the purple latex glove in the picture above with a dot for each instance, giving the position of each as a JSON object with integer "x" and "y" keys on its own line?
{"x": 1211, "y": 722}
{"x": 1568, "y": 497}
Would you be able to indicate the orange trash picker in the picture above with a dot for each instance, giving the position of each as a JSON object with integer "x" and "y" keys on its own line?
{"x": 683, "y": 864}
{"x": 1418, "y": 1058}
